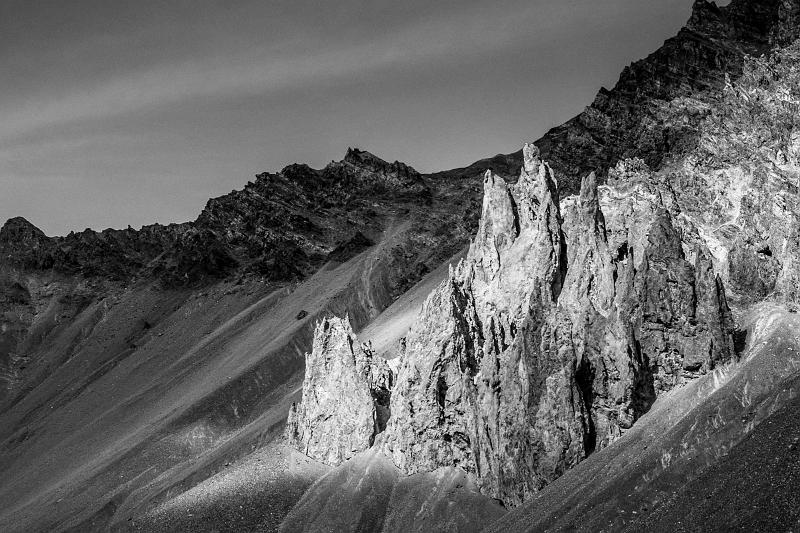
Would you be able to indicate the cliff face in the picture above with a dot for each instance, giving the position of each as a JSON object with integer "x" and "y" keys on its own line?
{"x": 740, "y": 183}
{"x": 560, "y": 328}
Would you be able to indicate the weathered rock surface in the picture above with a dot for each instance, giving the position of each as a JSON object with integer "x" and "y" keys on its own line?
{"x": 740, "y": 184}
{"x": 345, "y": 396}
{"x": 714, "y": 455}
{"x": 542, "y": 347}
{"x": 375, "y": 173}
{"x": 653, "y": 110}
{"x": 110, "y": 254}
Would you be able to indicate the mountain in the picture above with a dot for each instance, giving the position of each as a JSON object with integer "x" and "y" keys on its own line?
{"x": 594, "y": 333}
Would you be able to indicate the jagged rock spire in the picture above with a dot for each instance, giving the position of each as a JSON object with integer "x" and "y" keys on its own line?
{"x": 345, "y": 395}
{"x": 536, "y": 350}
{"x": 531, "y": 160}
{"x": 454, "y": 402}
{"x": 533, "y": 354}
{"x": 499, "y": 224}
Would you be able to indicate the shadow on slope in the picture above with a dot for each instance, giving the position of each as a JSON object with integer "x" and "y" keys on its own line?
{"x": 212, "y": 491}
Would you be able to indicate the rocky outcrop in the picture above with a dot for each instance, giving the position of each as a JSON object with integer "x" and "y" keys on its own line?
{"x": 115, "y": 255}
{"x": 345, "y": 396}
{"x": 380, "y": 175}
{"x": 735, "y": 193}
{"x": 456, "y": 356}
{"x": 542, "y": 346}
{"x": 284, "y": 226}
{"x": 18, "y": 235}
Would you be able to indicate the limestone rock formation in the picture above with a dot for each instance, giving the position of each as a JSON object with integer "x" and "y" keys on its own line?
{"x": 542, "y": 347}
{"x": 345, "y": 396}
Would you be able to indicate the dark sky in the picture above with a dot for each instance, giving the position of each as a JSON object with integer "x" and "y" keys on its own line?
{"x": 115, "y": 113}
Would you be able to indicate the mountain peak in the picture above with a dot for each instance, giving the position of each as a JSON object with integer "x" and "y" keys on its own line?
{"x": 369, "y": 161}
{"x": 356, "y": 155}
{"x": 18, "y": 229}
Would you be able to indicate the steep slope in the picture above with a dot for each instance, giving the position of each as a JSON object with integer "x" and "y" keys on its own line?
{"x": 753, "y": 488}
{"x": 652, "y": 111}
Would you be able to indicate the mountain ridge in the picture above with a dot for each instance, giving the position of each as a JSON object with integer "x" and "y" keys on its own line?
{"x": 641, "y": 315}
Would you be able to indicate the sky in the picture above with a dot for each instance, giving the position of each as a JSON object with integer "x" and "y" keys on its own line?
{"x": 117, "y": 113}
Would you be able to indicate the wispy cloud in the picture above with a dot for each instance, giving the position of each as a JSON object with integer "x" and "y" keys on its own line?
{"x": 263, "y": 71}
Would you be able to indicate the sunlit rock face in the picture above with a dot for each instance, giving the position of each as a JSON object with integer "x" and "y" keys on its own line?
{"x": 345, "y": 396}
{"x": 541, "y": 346}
